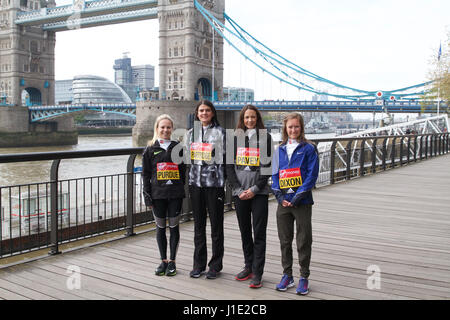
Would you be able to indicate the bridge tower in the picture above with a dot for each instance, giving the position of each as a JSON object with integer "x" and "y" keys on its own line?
{"x": 186, "y": 43}
{"x": 27, "y": 56}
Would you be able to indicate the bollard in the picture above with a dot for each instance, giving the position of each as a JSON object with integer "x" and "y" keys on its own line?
{"x": 54, "y": 246}
{"x": 130, "y": 196}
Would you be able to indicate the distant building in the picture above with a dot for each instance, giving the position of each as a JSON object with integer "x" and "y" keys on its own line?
{"x": 149, "y": 94}
{"x": 133, "y": 79}
{"x": 93, "y": 89}
{"x": 88, "y": 89}
{"x": 238, "y": 94}
{"x": 63, "y": 92}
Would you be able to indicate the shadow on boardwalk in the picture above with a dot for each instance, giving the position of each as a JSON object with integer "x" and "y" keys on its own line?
{"x": 398, "y": 221}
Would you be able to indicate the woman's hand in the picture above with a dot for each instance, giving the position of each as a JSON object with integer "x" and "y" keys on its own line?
{"x": 286, "y": 204}
{"x": 247, "y": 195}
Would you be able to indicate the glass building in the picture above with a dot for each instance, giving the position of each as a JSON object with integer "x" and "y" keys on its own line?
{"x": 238, "y": 94}
{"x": 93, "y": 89}
{"x": 63, "y": 92}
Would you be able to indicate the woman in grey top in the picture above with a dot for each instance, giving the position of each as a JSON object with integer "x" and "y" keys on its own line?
{"x": 205, "y": 143}
{"x": 250, "y": 190}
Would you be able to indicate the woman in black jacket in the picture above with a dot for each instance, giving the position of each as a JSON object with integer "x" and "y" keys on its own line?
{"x": 164, "y": 190}
{"x": 248, "y": 176}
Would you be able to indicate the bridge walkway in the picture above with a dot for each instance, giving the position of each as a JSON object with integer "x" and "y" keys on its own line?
{"x": 398, "y": 220}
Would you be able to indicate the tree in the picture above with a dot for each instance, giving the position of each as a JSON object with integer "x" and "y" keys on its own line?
{"x": 440, "y": 73}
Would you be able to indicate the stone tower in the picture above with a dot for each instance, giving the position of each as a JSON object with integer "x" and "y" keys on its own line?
{"x": 27, "y": 56}
{"x": 186, "y": 44}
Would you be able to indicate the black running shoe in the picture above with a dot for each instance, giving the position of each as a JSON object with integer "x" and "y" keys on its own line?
{"x": 171, "y": 269}
{"x": 255, "y": 283}
{"x": 161, "y": 270}
{"x": 245, "y": 274}
{"x": 212, "y": 274}
{"x": 196, "y": 273}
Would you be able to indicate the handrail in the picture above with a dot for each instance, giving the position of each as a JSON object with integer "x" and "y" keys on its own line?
{"x": 345, "y": 159}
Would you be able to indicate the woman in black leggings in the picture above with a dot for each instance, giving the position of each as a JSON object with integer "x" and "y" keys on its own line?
{"x": 164, "y": 190}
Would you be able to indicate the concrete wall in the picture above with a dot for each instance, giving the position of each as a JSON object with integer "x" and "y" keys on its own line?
{"x": 148, "y": 111}
{"x": 16, "y": 130}
{"x": 14, "y": 119}
{"x": 36, "y": 139}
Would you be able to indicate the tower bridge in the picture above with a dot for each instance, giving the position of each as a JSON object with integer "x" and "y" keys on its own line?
{"x": 192, "y": 34}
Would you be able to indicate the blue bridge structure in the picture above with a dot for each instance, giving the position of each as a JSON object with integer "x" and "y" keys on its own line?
{"x": 44, "y": 113}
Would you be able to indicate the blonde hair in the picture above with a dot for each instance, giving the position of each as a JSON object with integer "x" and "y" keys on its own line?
{"x": 291, "y": 116}
{"x": 155, "y": 129}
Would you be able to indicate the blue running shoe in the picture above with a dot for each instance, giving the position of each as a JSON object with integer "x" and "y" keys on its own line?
{"x": 303, "y": 286}
{"x": 285, "y": 283}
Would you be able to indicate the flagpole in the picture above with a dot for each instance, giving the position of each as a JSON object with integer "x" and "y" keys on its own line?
{"x": 439, "y": 76}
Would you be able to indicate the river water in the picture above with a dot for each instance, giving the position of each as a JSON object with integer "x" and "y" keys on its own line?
{"x": 39, "y": 171}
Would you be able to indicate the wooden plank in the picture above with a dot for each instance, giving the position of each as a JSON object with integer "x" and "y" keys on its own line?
{"x": 374, "y": 220}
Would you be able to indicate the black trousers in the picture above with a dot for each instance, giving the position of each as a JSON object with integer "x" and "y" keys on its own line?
{"x": 162, "y": 209}
{"x": 208, "y": 200}
{"x": 254, "y": 247}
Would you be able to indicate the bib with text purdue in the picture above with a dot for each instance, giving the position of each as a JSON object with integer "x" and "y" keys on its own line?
{"x": 167, "y": 171}
{"x": 201, "y": 151}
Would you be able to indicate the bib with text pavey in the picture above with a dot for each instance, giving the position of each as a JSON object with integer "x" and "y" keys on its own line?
{"x": 247, "y": 157}
{"x": 201, "y": 151}
{"x": 167, "y": 171}
{"x": 290, "y": 178}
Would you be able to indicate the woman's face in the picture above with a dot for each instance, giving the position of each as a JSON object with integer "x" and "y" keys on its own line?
{"x": 165, "y": 129}
{"x": 250, "y": 118}
{"x": 293, "y": 128}
{"x": 205, "y": 114}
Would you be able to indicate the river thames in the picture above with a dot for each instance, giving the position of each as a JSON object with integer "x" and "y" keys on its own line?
{"x": 39, "y": 171}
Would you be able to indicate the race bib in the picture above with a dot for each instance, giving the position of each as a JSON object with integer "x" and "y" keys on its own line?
{"x": 167, "y": 171}
{"x": 201, "y": 151}
{"x": 290, "y": 178}
{"x": 247, "y": 157}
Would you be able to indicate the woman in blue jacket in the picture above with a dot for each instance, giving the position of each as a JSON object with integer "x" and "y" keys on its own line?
{"x": 295, "y": 171}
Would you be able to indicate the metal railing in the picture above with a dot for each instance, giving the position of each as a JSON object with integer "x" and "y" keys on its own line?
{"x": 47, "y": 214}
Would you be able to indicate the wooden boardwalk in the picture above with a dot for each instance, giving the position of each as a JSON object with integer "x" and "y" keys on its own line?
{"x": 398, "y": 220}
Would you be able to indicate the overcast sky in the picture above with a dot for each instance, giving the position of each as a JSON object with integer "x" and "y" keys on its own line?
{"x": 367, "y": 44}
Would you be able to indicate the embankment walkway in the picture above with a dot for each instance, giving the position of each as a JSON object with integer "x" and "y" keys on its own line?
{"x": 398, "y": 221}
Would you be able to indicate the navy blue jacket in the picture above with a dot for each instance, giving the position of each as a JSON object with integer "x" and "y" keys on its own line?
{"x": 290, "y": 186}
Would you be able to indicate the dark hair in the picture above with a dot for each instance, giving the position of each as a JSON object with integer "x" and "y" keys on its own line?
{"x": 259, "y": 120}
{"x": 208, "y": 103}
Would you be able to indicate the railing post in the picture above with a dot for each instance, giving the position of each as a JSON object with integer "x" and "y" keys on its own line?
{"x": 130, "y": 196}
{"x": 415, "y": 148}
{"x": 332, "y": 161}
{"x": 431, "y": 145}
{"x": 361, "y": 158}
{"x": 401, "y": 150}
{"x": 393, "y": 152}
{"x": 348, "y": 159}
{"x": 426, "y": 146}
{"x": 374, "y": 156}
{"x": 421, "y": 148}
{"x": 54, "y": 245}
{"x": 384, "y": 153}
{"x": 409, "y": 149}
{"x": 447, "y": 139}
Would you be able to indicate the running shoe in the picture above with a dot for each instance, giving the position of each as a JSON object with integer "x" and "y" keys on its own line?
{"x": 171, "y": 269}
{"x": 303, "y": 286}
{"x": 196, "y": 273}
{"x": 255, "y": 283}
{"x": 161, "y": 270}
{"x": 245, "y": 274}
{"x": 212, "y": 274}
{"x": 285, "y": 283}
